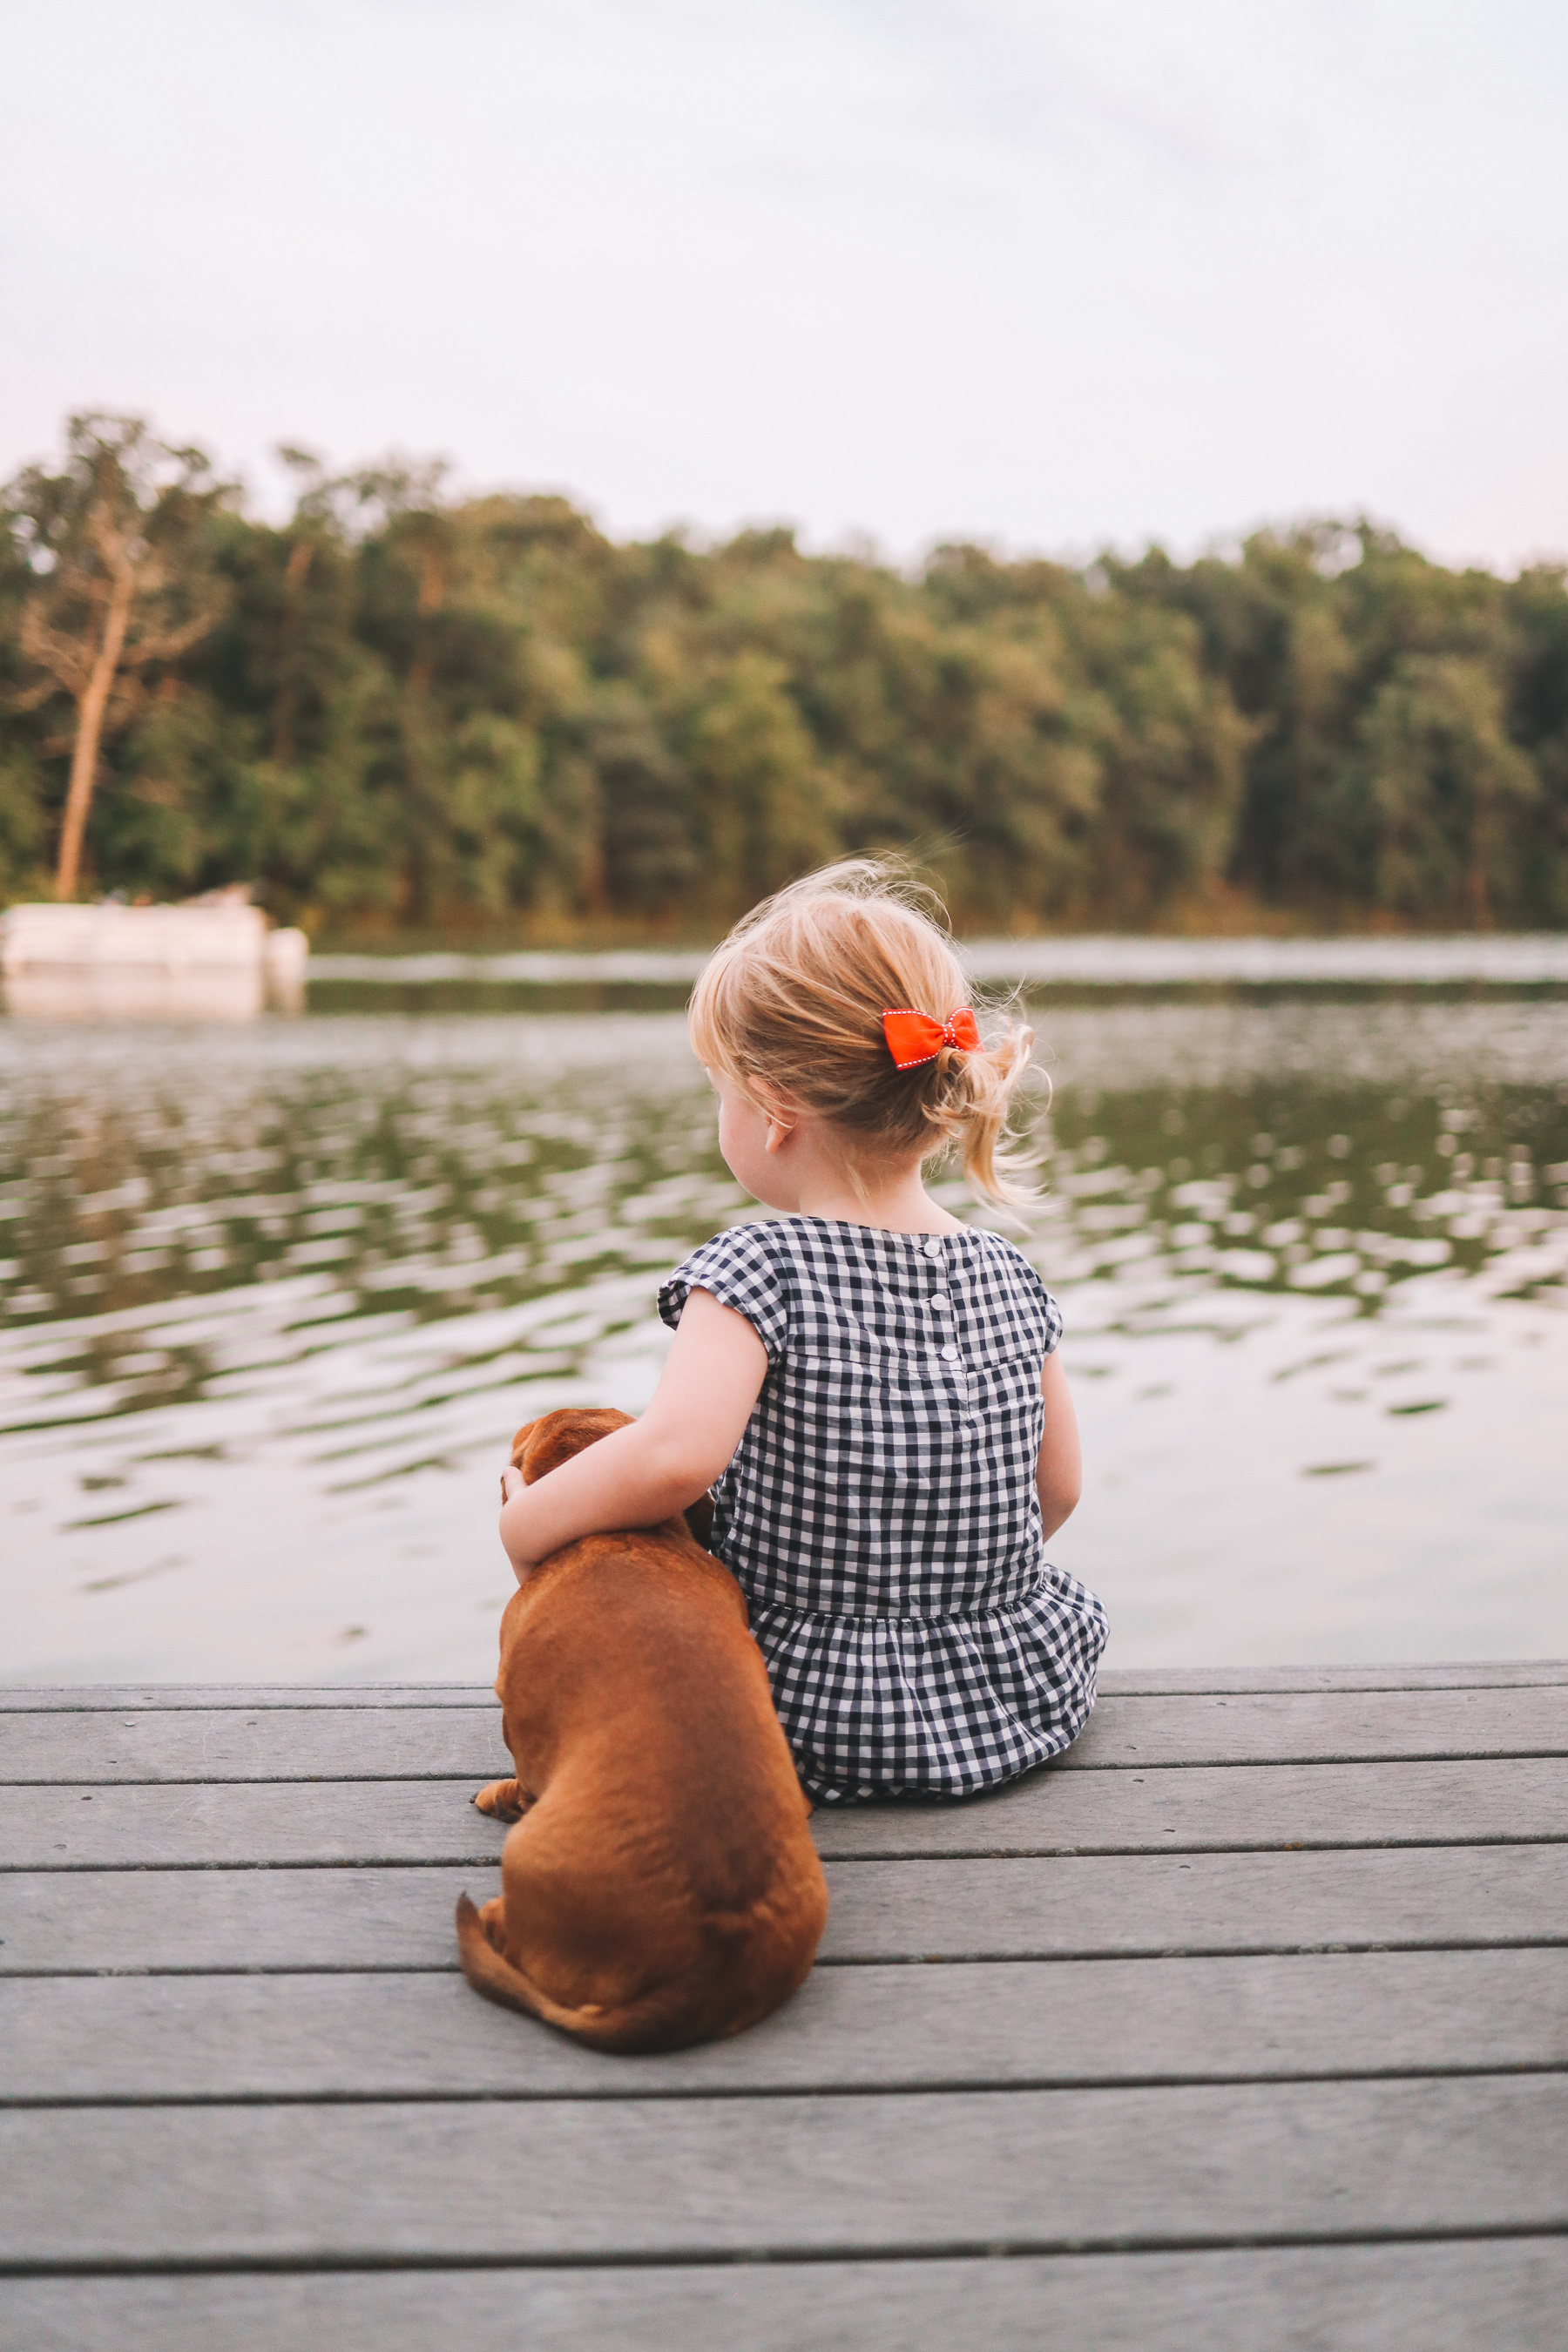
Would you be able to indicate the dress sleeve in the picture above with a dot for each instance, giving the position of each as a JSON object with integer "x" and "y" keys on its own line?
{"x": 1045, "y": 1305}
{"x": 743, "y": 1272}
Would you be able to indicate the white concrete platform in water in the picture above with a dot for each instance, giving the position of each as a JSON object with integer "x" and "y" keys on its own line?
{"x": 1242, "y": 2029}
{"x": 214, "y": 959}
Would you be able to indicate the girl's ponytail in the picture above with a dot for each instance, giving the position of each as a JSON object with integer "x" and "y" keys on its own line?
{"x": 972, "y": 1118}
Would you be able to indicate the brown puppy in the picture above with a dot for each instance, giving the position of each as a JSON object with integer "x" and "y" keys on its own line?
{"x": 660, "y": 1887}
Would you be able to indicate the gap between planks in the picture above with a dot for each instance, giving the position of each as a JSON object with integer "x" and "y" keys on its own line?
{"x": 361, "y": 2263}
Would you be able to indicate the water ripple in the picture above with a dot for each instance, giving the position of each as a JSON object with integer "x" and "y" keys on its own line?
{"x": 272, "y": 1301}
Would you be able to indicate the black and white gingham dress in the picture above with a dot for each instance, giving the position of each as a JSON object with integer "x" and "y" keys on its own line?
{"x": 880, "y": 1511}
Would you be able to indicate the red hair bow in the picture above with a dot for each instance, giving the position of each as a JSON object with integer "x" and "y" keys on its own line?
{"x": 916, "y": 1037}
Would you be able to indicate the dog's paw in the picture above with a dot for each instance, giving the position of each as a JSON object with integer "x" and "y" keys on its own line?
{"x": 503, "y": 1800}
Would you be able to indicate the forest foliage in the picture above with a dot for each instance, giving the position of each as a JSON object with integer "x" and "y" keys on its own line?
{"x": 406, "y": 712}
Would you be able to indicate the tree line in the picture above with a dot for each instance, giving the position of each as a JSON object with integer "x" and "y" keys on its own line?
{"x": 406, "y": 712}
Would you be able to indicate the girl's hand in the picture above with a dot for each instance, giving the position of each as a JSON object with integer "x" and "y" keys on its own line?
{"x": 515, "y": 1516}
{"x": 652, "y": 1469}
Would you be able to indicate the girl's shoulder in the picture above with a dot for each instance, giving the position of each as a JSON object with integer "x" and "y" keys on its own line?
{"x": 1004, "y": 1257}
{"x": 1016, "y": 1285}
{"x": 743, "y": 1268}
{"x": 751, "y": 1246}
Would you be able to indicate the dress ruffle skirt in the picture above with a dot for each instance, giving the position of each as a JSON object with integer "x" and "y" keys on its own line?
{"x": 933, "y": 1705}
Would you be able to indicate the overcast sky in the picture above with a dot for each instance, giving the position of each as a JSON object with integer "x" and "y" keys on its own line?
{"x": 1050, "y": 273}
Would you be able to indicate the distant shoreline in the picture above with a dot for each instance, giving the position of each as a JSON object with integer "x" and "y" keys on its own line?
{"x": 1104, "y": 959}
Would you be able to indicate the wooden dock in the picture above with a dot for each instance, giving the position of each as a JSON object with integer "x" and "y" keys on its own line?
{"x": 1247, "y": 2027}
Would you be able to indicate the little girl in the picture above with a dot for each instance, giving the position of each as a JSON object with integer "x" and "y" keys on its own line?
{"x": 870, "y": 1386}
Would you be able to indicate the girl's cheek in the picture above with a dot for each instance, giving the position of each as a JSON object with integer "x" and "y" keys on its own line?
{"x": 732, "y": 1142}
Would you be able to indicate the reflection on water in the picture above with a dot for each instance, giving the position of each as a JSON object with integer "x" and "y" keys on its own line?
{"x": 134, "y": 992}
{"x": 274, "y": 1300}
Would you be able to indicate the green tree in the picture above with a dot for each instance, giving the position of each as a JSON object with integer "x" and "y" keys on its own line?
{"x": 116, "y": 541}
{"x": 1438, "y": 792}
{"x": 1535, "y": 608}
{"x": 1174, "y": 752}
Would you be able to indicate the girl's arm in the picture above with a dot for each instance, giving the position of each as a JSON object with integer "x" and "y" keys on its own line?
{"x": 637, "y": 1476}
{"x": 1059, "y": 1474}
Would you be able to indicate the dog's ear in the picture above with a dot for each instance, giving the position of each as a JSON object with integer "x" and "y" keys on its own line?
{"x": 700, "y": 1519}
{"x": 555, "y": 1437}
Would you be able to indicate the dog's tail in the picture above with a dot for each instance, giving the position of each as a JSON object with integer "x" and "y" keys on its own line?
{"x": 648, "y": 2024}
{"x": 666, "y": 2017}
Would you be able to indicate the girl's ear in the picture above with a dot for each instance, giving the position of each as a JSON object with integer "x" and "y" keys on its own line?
{"x": 780, "y": 1114}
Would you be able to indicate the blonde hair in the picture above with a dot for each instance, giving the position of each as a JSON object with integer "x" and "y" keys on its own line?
{"x": 793, "y": 1000}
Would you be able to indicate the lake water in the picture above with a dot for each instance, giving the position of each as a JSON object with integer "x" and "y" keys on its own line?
{"x": 273, "y": 1298}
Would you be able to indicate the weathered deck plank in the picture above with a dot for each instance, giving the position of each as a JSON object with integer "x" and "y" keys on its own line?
{"x": 118, "y": 1698}
{"x": 1185, "y": 1808}
{"x": 464, "y": 1743}
{"x": 1073, "y": 1908}
{"x": 1196, "y": 1808}
{"x": 1320, "y": 1728}
{"x": 925, "y": 2173}
{"x": 1003, "y": 2024}
{"x": 1090, "y": 1905}
{"x": 1473, "y": 2295}
{"x": 1125, "y": 1682}
{"x": 210, "y": 1745}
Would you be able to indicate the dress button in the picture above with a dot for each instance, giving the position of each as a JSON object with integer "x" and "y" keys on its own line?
{"x": 950, "y": 1355}
{"x": 933, "y": 1247}
{"x": 939, "y": 1298}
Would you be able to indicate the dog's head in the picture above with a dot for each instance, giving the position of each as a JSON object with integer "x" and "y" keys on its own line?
{"x": 543, "y": 1445}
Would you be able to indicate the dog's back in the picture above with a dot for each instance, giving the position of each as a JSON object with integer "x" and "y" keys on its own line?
{"x": 661, "y": 1886}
